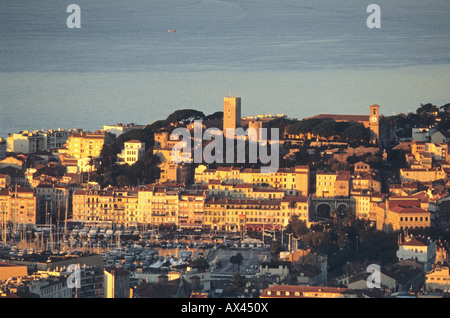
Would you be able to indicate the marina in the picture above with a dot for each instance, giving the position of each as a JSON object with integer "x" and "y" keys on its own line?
{"x": 133, "y": 249}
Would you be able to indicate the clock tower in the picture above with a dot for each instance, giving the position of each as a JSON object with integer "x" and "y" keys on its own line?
{"x": 374, "y": 123}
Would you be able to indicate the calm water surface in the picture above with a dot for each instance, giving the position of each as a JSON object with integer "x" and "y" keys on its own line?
{"x": 294, "y": 57}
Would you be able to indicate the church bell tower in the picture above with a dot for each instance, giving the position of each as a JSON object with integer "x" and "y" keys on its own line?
{"x": 374, "y": 123}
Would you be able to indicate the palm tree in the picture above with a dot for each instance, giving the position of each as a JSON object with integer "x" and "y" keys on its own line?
{"x": 90, "y": 163}
{"x": 292, "y": 207}
{"x": 296, "y": 226}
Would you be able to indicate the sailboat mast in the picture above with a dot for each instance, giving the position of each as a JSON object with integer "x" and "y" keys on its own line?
{"x": 4, "y": 226}
{"x": 57, "y": 224}
{"x": 46, "y": 222}
{"x": 51, "y": 226}
{"x": 15, "y": 212}
{"x": 67, "y": 206}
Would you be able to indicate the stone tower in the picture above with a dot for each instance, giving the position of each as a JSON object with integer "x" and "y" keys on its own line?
{"x": 374, "y": 123}
{"x": 231, "y": 113}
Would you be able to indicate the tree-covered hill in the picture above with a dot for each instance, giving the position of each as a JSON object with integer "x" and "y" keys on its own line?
{"x": 145, "y": 170}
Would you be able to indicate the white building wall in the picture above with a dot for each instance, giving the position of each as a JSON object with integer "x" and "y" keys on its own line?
{"x": 424, "y": 254}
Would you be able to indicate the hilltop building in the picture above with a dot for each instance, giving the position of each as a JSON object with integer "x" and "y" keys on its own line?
{"x": 133, "y": 151}
{"x": 119, "y": 129}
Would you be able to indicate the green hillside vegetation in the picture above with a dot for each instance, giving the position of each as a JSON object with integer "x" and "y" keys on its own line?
{"x": 328, "y": 128}
{"x": 145, "y": 170}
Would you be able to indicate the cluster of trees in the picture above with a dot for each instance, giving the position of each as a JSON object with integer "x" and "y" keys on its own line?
{"x": 200, "y": 264}
{"x": 426, "y": 115}
{"x": 352, "y": 132}
{"x": 144, "y": 170}
{"x": 346, "y": 240}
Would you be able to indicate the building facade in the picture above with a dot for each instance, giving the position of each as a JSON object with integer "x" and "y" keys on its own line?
{"x": 332, "y": 184}
{"x": 293, "y": 181}
{"x": 117, "y": 283}
{"x": 191, "y": 208}
{"x": 401, "y": 213}
{"x": 116, "y": 205}
{"x": 422, "y": 175}
{"x": 133, "y": 151}
{"x": 86, "y": 144}
{"x": 18, "y": 205}
{"x": 35, "y": 141}
{"x": 413, "y": 249}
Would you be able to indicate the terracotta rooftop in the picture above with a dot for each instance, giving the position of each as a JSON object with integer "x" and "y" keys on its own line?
{"x": 294, "y": 199}
{"x": 408, "y": 209}
{"x": 412, "y": 242}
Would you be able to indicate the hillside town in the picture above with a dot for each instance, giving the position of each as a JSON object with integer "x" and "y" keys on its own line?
{"x": 122, "y": 212}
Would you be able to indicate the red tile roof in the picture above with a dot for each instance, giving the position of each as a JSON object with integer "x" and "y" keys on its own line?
{"x": 408, "y": 209}
{"x": 412, "y": 242}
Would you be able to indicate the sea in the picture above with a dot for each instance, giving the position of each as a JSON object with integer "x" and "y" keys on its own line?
{"x": 293, "y": 57}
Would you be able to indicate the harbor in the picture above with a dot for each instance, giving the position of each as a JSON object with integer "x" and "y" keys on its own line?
{"x": 133, "y": 249}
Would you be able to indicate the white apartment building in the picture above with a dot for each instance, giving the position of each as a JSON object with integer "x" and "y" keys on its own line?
{"x": 412, "y": 249}
{"x": 51, "y": 287}
{"x": 133, "y": 151}
{"x": 35, "y": 141}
